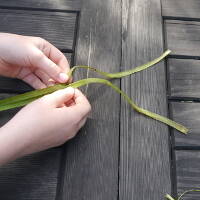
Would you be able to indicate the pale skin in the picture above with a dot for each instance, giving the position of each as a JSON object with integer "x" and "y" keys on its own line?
{"x": 49, "y": 121}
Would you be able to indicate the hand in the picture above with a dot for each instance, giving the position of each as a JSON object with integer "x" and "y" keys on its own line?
{"x": 32, "y": 59}
{"x": 47, "y": 122}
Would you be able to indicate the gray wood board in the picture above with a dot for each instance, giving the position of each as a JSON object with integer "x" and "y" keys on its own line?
{"x": 144, "y": 145}
{"x": 31, "y": 178}
{"x": 73, "y": 5}
{"x": 92, "y": 157}
{"x": 184, "y": 77}
{"x": 187, "y": 114}
{"x": 57, "y": 28}
{"x": 181, "y": 8}
{"x": 183, "y": 37}
{"x": 18, "y": 86}
{"x": 6, "y": 115}
{"x": 188, "y": 176}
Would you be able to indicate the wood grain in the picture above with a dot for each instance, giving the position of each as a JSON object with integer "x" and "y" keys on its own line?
{"x": 144, "y": 146}
{"x": 17, "y": 86}
{"x": 92, "y": 157}
{"x": 188, "y": 177}
{"x": 184, "y": 77}
{"x": 31, "y": 178}
{"x": 183, "y": 37}
{"x": 73, "y": 5}
{"x": 183, "y": 8}
{"x": 57, "y": 28}
{"x": 188, "y": 115}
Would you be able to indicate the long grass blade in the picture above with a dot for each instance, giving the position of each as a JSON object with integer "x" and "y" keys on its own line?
{"x": 186, "y": 192}
{"x": 24, "y": 99}
{"x": 48, "y": 90}
{"x": 125, "y": 73}
{"x": 30, "y": 96}
{"x": 167, "y": 196}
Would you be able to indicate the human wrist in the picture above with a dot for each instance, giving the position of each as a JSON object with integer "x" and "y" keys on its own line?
{"x": 11, "y": 146}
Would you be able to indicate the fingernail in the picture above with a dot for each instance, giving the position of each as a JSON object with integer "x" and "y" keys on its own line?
{"x": 63, "y": 77}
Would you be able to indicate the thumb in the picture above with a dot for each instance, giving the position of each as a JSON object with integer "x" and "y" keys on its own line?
{"x": 60, "y": 97}
{"x": 42, "y": 62}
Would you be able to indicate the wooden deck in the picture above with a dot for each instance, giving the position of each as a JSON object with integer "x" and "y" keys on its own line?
{"x": 119, "y": 154}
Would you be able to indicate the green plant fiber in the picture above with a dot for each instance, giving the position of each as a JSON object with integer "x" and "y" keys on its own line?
{"x": 24, "y": 99}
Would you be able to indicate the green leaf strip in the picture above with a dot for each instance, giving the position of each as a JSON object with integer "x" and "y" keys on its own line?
{"x": 23, "y": 99}
{"x": 186, "y": 192}
{"x": 30, "y": 95}
{"x": 125, "y": 73}
{"x": 60, "y": 86}
{"x": 167, "y": 196}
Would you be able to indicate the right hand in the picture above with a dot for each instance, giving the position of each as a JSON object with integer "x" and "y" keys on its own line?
{"x": 47, "y": 122}
{"x": 33, "y": 60}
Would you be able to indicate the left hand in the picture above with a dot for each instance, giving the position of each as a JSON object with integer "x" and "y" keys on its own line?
{"x": 33, "y": 60}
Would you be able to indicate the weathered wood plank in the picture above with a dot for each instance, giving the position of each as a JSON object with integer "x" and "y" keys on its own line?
{"x": 57, "y": 28}
{"x": 188, "y": 176}
{"x": 5, "y": 116}
{"x": 45, "y": 4}
{"x": 183, "y": 38}
{"x": 13, "y": 85}
{"x": 92, "y": 157}
{"x": 184, "y": 77}
{"x": 187, "y": 114}
{"x": 31, "y": 178}
{"x": 144, "y": 149}
{"x": 181, "y": 8}
{"x": 18, "y": 86}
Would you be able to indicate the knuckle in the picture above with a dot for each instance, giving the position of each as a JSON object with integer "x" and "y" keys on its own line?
{"x": 40, "y": 39}
{"x": 37, "y": 40}
{"x": 63, "y": 141}
{"x": 36, "y": 84}
{"x": 82, "y": 123}
{"x": 76, "y": 120}
{"x": 59, "y": 143}
{"x": 88, "y": 108}
{"x": 73, "y": 134}
{"x": 38, "y": 56}
{"x": 54, "y": 66}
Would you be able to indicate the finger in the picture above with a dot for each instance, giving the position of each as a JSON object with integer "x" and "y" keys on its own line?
{"x": 70, "y": 103}
{"x": 82, "y": 106}
{"x": 70, "y": 79}
{"x": 27, "y": 76}
{"x": 42, "y": 62}
{"x": 56, "y": 56}
{"x": 46, "y": 79}
{"x": 34, "y": 81}
{"x": 60, "y": 97}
